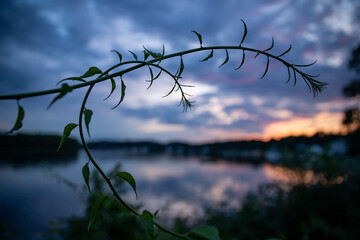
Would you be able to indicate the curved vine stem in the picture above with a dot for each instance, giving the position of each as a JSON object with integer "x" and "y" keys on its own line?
{"x": 122, "y": 72}
{"x": 111, "y": 186}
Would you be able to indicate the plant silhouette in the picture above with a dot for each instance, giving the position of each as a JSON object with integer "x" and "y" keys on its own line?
{"x": 152, "y": 61}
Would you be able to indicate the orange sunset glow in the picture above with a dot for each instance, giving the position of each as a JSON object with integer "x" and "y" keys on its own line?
{"x": 325, "y": 122}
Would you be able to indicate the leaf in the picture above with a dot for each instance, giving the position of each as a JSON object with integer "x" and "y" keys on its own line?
{"x": 294, "y": 77}
{"x": 226, "y": 59}
{"x": 146, "y": 55}
{"x": 163, "y": 51}
{"x": 71, "y": 78}
{"x": 312, "y": 76}
{"x": 134, "y": 55}
{"x": 67, "y": 131}
{"x": 86, "y": 175}
{"x": 20, "y": 117}
{"x": 95, "y": 209}
{"x": 245, "y": 32}
{"x": 272, "y": 45}
{"x": 147, "y": 221}
{"x": 88, "y": 114}
{"x": 267, "y": 67}
{"x": 306, "y": 65}
{"x": 288, "y": 68}
{"x": 153, "y": 78}
{"x": 119, "y": 55}
{"x": 285, "y": 51}
{"x": 113, "y": 86}
{"x": 153, "y": 54}
{"x": 151, "y": 73}
{"x": 306, "y": 81}
{"x": 206, "y": 232}
{"x": 172, "y": 89}
{"x": 181, "y": 69}
{"x": 91, "y": 72}
{"x": 208, "y": 57}
{"x": 199, "y": 37}
{"x": 129, "y": 179}
{"x": 123, "y": 88}
{"x": 184, "y": 85}
{"x": 242, "y": 61}
{"x": 157, "y": 76}
{"x": 65, "y": 88}
{"x": 156, "y": 213}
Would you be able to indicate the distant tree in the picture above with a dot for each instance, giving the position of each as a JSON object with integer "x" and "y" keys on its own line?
{"x": 354, "y": 62}
{"x": 352, "y": 90}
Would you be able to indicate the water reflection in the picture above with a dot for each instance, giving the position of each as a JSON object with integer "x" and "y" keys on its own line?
{"x": 296, "y": 176}
{"x": 32, "y": 196}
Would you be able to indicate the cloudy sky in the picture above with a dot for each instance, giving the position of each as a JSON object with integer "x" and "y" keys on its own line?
{"x": 42, "y": 42}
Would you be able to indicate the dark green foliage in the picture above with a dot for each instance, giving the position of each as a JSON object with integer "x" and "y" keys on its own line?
{"x": 152, "y": 78}
{"x": 305, "y": 65}
{"x": 272, "y": 45}
{"x": 65, "y": 89}
{"x": 86, "y": 174}
{"x": 147, "y": 221}
{"x": 19, "y": 119}
{"x": 153, "y": 54}
{"x": 242, "y": 61}
{"x": 91, "y": 72}
{"x": 288, "y": 50}
{"x": 67, "y": 131}
{"x": 134, "y": 55}
{"x": 181, "y": 68}
{"x": 79, "y": 79}
{"x": 128, "y": 178}
{"x": 319, "y": 212}
{"x": 111, "y": 221}
{"x": 95, "y": 208}
{"x": 208, "y": 57}
{"x": 88, "y": 114}
{"x": 146, "y": 55}
{"x": 123, "y": 88}
{"x": 113, "y": 86}
{"x": 119, "y": 55}
{"x": 205, "y": 232}
{"x": 199, "y": 37}
{"x": 245, "y": 32}
{"x": 226, "y": 59}
{"x": 267, "y": 68}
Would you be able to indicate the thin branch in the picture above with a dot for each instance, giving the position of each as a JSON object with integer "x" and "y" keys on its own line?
{"x": 98, "y": 168}
{"x": 122, "y": 72}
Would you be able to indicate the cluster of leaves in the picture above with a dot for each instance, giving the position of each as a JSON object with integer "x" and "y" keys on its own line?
{"x": 152, "y": 61}
{"x": 106, "y": 215}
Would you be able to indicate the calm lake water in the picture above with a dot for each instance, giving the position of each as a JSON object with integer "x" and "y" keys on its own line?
{"x": 32, "y": 195}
